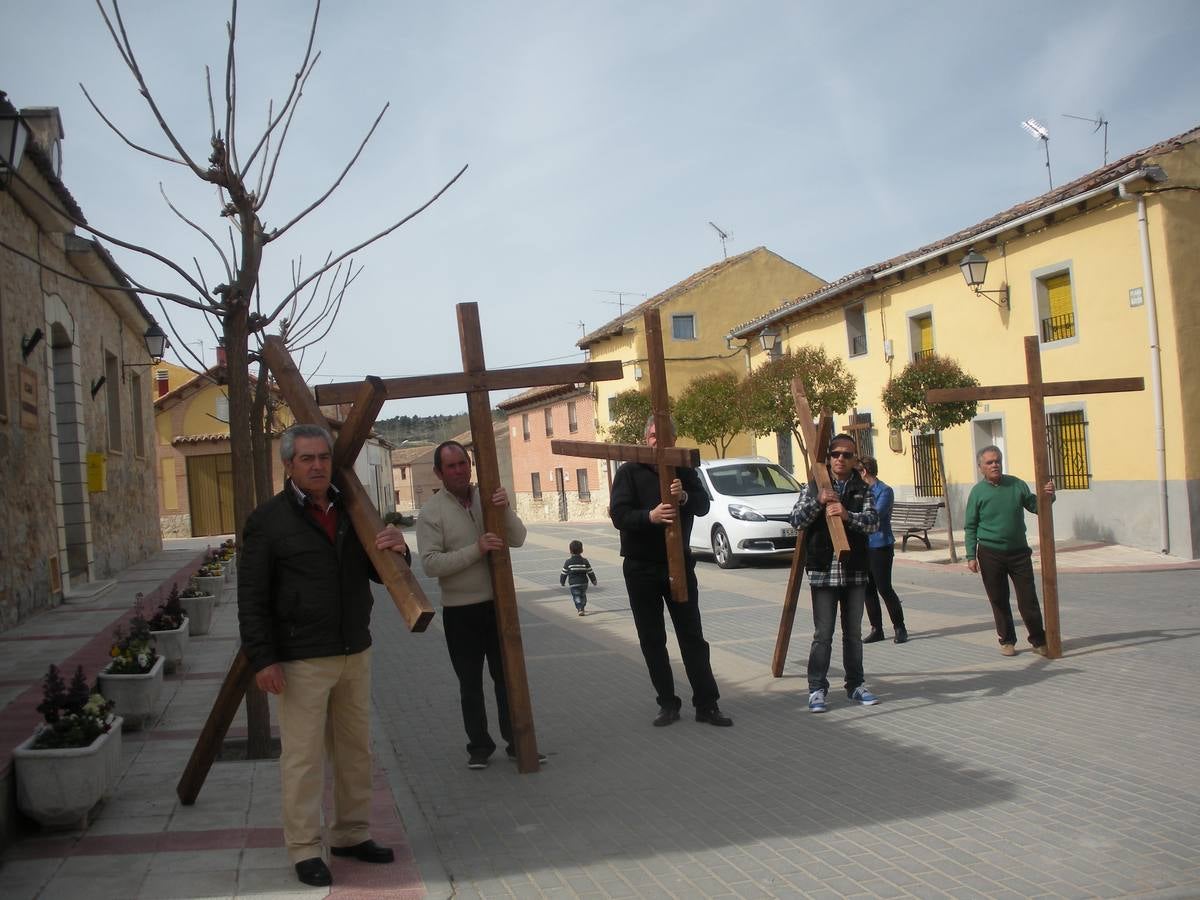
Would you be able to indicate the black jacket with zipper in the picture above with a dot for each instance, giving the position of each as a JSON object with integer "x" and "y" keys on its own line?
{"x": 301, "y": 596}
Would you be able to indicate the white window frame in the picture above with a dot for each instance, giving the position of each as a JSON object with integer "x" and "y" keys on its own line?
{"x": 1041, "y": 301}
{"x": 914, "y": 333}
{"x": 679, "y": 317}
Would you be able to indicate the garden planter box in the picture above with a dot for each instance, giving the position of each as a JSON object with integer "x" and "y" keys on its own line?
{"x": 59, "y": 787}
{"x": 210, "y": 584}
{"x": 200, "y": 613}
{"x": 172, "y": 644}
{"x": 135, "y": 697}
{"x": 230, "y": 566}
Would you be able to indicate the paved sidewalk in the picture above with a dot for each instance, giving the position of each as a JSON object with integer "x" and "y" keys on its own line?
{"x": 977, "y": 776}
{"x": 142, "y": 842}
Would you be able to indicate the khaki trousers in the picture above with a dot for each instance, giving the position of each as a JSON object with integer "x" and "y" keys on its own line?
{"x": 325, "y": 709}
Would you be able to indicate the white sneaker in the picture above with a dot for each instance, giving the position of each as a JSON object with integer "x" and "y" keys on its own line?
{"x": 816, "y": 701}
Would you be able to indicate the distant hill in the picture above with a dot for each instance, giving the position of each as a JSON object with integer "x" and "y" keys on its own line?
{"x": 433, "y": 429}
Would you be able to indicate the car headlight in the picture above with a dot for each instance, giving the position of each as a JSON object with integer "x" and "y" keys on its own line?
{"x": 745, "y": 513}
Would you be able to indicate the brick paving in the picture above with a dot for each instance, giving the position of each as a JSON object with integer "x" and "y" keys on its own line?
{"x": 977, "y": 776}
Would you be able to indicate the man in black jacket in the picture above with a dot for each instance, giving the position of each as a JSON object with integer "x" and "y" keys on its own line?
{"x": 837, "y": 583}
{"x": 641, "y": 515}
{"x": 304, "y": 609}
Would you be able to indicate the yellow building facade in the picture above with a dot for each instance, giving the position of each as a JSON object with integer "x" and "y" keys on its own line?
{"x": 697, "y": 315}
{"x": 1105, "y": 272}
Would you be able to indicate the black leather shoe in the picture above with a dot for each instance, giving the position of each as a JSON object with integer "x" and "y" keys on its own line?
{"x": 901, "y": 635}
{"x": 666, "y": 715}
{"x": 367, "y": 851}
{"x": 314, "y": 872}
{"x": 713, "y": 716}
{"x": 876, "y": 634}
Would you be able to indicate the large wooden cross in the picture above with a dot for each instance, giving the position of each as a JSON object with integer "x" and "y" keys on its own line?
{"x": 403, "y": 587}
{"x": 816, "y": 450}
{"x": 1037, "y": 391}
{"x": 476, "y": 381}
{"x": 665, "y": 455}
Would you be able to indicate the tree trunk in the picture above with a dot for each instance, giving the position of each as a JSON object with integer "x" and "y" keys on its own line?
{"x": 946, "y": 497}
{"x": 258, "y": 716}
{"x": 260, "y": 436}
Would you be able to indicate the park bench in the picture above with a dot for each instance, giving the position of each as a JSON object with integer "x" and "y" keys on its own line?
{"x": 914, "y": 518}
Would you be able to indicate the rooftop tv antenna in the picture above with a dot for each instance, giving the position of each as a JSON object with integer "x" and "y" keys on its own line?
{"x": 724, "y": 237}
{"x": 620, "y": 301}
{"x": 1040, "y": 132}
{"x": 1099, "y": 122}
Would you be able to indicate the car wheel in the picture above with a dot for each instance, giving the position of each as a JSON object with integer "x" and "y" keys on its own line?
{"x": 722, "y": 552}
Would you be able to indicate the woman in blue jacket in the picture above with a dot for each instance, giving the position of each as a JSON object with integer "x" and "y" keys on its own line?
{"x": 881, "y": 550}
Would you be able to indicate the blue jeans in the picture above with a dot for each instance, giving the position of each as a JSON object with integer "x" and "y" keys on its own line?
{"x": 825, "y": 603}
{"x": 579, "y": 596}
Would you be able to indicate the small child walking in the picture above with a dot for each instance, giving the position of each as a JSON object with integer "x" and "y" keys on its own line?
{"x": 576, "y": 571}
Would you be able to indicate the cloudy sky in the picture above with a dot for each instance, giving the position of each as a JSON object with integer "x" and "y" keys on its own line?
{"x": 602, "y": 138}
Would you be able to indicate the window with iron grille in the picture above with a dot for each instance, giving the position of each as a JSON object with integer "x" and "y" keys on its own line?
{"x": 1066, "y": 447}
{"x": 856, "y": 329}
{"x": 525, "y": 426}
{"x": 572, "y": 417}
{"x": 581, "y": 482}
{"x": 927, "y": 479}
{"x": 1056, "y": 307}
{"x": 860, "y": 430}
{"x": 920, "y": 335}
{"x": 549, "y": 422}
{"x": 536, "y": 483}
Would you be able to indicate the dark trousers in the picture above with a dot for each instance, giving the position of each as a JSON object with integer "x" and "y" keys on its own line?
{"x": 825, "y": 603}
{"x": 472, "y": 638}
{"x": 996, "y": 568}
{"x": 879, "y": 584}
{"x": 649, "y": 588}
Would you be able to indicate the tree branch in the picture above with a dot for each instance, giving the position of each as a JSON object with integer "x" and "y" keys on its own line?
{"x": 279, "y": 232}
{"x": 369, "y": 241}
{"x": 126, "y": 50}
{"x": 262, "y": 197}
{"x": 208, "y": 237}
{"x": 297, "y": 85}
{"x": 117, "y": 131}
{"x": 135, "y": 290}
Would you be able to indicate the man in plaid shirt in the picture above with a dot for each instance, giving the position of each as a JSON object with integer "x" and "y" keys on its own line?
{"x": 837, "y": 583}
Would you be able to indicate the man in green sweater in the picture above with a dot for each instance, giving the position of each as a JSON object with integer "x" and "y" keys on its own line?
{"x": 997, "y": 549}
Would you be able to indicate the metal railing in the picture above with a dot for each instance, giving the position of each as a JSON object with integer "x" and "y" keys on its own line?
{"x": 923, "y": 354}
{"x": 1058, "y": 328}
{"x": 1066, "y": 448}
{"x": 927, "y": 480}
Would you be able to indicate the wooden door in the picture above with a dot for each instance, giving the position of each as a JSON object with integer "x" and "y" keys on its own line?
{"x": 210, "y": 494}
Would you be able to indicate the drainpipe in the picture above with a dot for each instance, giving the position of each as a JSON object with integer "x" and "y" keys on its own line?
{"x": 1160, "y": 449}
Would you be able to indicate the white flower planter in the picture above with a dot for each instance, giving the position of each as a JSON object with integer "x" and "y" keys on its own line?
{"x": 210, "y": 584}
{"x": 230, "y": 566}
{"x": 135, "y": 697}
{"x": 173, "y": 644}
{"x": 58, "y": 787}
{"x": 200, "y": 613}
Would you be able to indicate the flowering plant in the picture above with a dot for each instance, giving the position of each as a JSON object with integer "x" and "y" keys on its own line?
{"x": 188, "y": 592}
{"x": 227, "y": 550}
{"x": 133, "y": 653}
{"x": 209, "y": 570}
{"x": 170, "y": 613}
{"x": 72, "y": 716}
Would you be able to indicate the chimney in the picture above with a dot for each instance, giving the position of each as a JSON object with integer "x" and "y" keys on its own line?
{"x": 161, "y": 382}
{"x": 45, "y": 124}
{"x": 220, "y": 351}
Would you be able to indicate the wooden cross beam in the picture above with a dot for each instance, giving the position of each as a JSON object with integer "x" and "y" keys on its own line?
{"x": 816, "y": 449}
{"x": 1037, "y": 391}
{"x": 399, "y": 580}
{"x": 476, "y": 380}
{"x": 665, "y": 455}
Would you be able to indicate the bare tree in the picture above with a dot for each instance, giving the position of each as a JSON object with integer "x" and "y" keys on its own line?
{"x": 243, "y": 183}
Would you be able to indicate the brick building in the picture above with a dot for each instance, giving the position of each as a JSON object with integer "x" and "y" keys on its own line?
{"x": 549, "y": 488}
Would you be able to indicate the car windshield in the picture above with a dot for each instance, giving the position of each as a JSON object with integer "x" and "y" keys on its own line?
{"x": 752, "y": 480}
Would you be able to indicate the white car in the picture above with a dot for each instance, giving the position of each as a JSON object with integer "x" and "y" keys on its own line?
{"x": 751, "y": 499}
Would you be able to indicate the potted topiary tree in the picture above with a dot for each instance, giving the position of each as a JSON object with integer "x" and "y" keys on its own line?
{"x": 73, "y": 758}
{"x": 133, "y": 677}
{"x": 169, "y": 627}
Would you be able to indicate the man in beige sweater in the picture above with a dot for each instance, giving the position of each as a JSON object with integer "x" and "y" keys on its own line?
{"x": 453, "y": 548}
